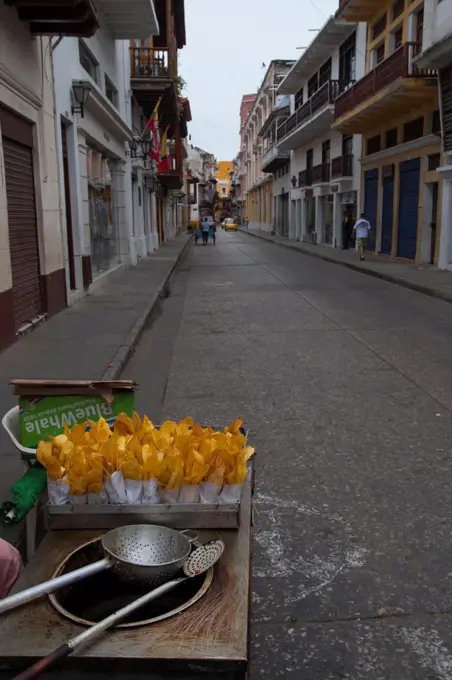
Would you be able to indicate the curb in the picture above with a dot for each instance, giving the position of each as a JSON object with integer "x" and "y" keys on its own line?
{"x": 125, "y": 350}
{"x": 397, "y": 280}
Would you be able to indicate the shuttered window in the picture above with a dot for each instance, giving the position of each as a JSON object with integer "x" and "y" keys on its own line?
{"x": 23, "y": 235}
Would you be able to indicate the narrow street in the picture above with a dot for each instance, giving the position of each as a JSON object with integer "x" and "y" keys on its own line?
{"x": 345, "y": 383}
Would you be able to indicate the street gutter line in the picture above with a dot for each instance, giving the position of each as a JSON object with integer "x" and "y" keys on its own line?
{"x": 404, "y": 283}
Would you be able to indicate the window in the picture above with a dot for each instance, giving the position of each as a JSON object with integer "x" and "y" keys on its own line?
{"x": 391, "y": 138}
{"x": 325, "y": 72}
{"x": 299, "y": 99}
{"x": 434, "y": 161}
{"x": 436, "y": 122}
{"x": 309, "y": 159}
{"x": 419, "y": 28}
{"x": 378, "y": 27}
{"x": 413, "y": 130}
{"x": 110, "y": 91}
{"x": 313, "y": 85}
{"x": 379, "y": 53}
{"x": 397, "y": 8}
{"x": 397, "y": 38}
{"x": 347, "y": 61}
{"x": 373, "y": 144}
{"x": 88, "y": 61}
{"x": 347, "y": 145}
{"x": 326, "y": 152}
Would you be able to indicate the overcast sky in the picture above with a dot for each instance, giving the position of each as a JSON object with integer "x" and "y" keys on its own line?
{"x": 226, "y": 46}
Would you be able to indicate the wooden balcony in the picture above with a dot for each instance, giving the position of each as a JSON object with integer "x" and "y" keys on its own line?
{"x": 312, "y": 119}
{"x": 342, "y": 166}
{"x": 73, "y": 18}
{"x": 152, "y": 76}
{"x": 359, "y": 10}
{"x": 305, "y": 178}
{"x": 393, "y": 87}
{"x": 173, "y": 177}
{"x": 321, "y": 173}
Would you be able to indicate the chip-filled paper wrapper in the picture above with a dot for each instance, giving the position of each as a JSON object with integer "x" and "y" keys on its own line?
{"x": 230, "y": 494}
{"x": 78, "y": 499}
{"x": 189, "y": 493}
{"x": 151, "y": 494}
{"x": 100, "y": 498}
{"x": 134, "y": 491}
{"x": 170, "y": 496}
{"x": 115, "y": 488}
{"x": 209, "y": 492}
{"x": 58, "y": 491}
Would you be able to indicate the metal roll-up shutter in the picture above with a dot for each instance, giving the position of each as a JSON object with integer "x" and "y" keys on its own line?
{"x": 23, "y": 234}
{"x": 445, "y": 79}
{"x": 371, "y": 202}
{"x": 387, "y": 214}
{"x": 408, "y": 208}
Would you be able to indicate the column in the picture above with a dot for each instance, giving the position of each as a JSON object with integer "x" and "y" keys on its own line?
{"x": 304, "y": 219}
{"x": 445, "y": 243}
{"x": 121, "y": 179}
{"x": 337, "y": 221}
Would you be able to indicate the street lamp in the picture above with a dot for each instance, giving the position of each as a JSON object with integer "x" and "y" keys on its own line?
{"x": 80, "y": 94}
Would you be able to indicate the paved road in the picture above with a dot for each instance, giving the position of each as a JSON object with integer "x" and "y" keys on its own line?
{"x": 346, "y": 384}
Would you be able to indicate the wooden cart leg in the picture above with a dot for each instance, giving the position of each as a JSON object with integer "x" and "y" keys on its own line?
{"x": 30, "y": 531}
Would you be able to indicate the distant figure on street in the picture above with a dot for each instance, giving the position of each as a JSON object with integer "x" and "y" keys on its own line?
{"x": 362, "y": 230}
{"x": 198, "y": 235}
{"x": 247, "y": 222}
{"x": 205, "y": 229}
{"x": 213, "y": 232}
{"x": 347, "y": 229}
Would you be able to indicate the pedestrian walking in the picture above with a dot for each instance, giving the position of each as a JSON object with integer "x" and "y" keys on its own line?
{"x": 198, "y": 235}
{"x": 362, "y": 230}
{"x": 213, "y": 232}
{"x": 205, "y": 228}
{"x": 346, "y": 230}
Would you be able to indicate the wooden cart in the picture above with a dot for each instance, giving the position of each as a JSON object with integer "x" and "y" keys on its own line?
{"x": 208, "y": 641}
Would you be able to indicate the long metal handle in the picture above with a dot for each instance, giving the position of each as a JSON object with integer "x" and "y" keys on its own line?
{"x": 47, "y": 587}
{"x": 89, "y": 635}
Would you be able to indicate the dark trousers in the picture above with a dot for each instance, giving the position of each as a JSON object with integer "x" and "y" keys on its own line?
{"x": 345, "y": 239}
{"x": 205, "y": 237}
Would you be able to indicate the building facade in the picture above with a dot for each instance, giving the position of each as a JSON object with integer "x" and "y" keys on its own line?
{"x": 32, "y": 282}
{"x": 325, "y": 164}
{"x": 395, "y": 108}
{"x": 246, "y": 105}
{"x": 259, "y": 184}
{"x": 437, "y": 54}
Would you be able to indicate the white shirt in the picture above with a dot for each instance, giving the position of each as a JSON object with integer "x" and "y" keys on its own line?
{"x": 362, "y": 228}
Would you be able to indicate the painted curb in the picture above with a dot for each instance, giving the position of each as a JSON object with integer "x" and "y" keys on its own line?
{"x": 125, "y": 350}
{"x": 397, "y": 280}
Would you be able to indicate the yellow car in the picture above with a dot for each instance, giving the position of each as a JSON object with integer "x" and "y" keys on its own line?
{"x": 230, "y": 225}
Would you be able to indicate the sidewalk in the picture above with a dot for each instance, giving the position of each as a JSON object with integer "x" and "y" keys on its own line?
{"x": 422, "y": 278}
{"x": 90, "y": 340}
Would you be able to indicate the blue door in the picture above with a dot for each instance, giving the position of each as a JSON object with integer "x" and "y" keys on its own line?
{"x": 371, "y": 200}
{"x": 408, "y": 208}
{"x": 387, "y": 215}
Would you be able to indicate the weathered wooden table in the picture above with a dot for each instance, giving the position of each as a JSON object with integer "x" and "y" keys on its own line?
{"x": 208, "y": 640}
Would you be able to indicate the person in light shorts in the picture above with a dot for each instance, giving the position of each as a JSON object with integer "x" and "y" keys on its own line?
{"x": 362, "y": 230}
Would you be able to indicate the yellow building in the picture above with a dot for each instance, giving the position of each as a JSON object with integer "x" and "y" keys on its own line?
{"x": 223, "y": 177}
{"x": 395, "y": 108}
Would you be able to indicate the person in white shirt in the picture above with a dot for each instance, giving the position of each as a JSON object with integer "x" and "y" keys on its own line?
{"x": 362, "y": 230}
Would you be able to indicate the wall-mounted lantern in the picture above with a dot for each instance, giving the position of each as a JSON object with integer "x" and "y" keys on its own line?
{"x": 80, "y": 94}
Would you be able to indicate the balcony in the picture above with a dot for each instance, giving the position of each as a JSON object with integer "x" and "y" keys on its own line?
{"x": 342, "y": 166}
{"x": 359, "y": 10}
{"x": 172, "y": 177}
{"x": 305, "y": 178}
{"x": 274, "y": 159}
{"x": 312, "y": 119}
{"x": 73, "y": 18}
{"x": 152, "y": 76}
{"x": 390, "y": 89}
{"x": 321, "y": 174}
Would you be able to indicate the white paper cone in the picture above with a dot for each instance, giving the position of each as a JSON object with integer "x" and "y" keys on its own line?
{"x": 116, "y": 489}
{"x": 150, "y": 492}
{"x": 77, "y": 499}
{"x": 231, "y": 494}
{"x": 97, "y": 498}
{"x": 208, "y": 492}
{"x": 58, "y": 492}
{"x": 189, "y": 493}
{"x": 134, "y": 491}
{"x": 170, "y": 496}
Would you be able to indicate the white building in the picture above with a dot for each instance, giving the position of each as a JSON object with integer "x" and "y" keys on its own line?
{"x": 437, "y": 54}
{"x": 325, "y": 165}
{"x": 32, "y": 281}
{"x": 102, "y": 194}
